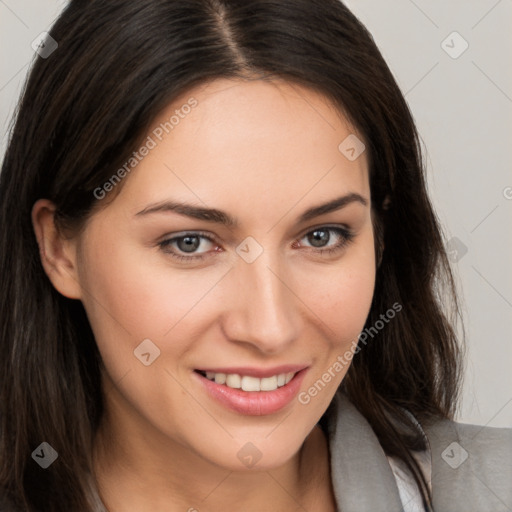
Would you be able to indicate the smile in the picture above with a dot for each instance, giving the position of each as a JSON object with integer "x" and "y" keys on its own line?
{"x": 248, "y": 383}
{"x": 252, "y": 392}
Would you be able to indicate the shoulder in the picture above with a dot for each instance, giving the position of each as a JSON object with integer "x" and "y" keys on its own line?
{"x": 471, "y": 466}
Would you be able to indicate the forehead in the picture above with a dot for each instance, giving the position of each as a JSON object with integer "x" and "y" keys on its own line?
{"x": 265, "y": 145}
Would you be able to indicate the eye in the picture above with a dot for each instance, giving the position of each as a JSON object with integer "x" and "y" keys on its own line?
{"x": 197, "y": 246}
{"x": 188, "y": 246}
{"x": 320, "y": 238}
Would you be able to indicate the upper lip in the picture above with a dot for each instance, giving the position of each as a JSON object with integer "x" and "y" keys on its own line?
{"x": 260, "y": 373}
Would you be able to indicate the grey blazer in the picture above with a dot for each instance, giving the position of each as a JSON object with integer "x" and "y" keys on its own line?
{"x": 471, "y": 466}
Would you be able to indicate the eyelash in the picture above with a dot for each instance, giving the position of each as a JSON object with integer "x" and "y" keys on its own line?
{"x": 346, "y": 237}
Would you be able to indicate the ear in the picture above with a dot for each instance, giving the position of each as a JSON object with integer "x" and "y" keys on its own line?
{"x": 57, "y": 252}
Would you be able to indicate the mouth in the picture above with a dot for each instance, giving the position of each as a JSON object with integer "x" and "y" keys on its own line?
{"x": 252, "y": 392}
{"x": 247, "y": 382}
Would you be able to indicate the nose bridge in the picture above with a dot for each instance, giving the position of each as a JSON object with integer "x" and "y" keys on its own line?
{"x": 264, "y": 312}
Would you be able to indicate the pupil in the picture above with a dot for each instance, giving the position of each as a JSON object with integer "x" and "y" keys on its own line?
{"x": 318, "y": 237}
{"x": 188, "y": 243}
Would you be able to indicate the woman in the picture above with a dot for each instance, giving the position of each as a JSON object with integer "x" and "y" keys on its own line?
{"x": 220, "y": 274}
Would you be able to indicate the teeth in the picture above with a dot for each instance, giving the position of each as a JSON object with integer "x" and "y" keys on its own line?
{"x": 248, "y": 383}
{"x": 220, "y": 378}
{"x": 251, "y": 383}
{"x": 234, "y": 381}
{"x": 268, "y": 384}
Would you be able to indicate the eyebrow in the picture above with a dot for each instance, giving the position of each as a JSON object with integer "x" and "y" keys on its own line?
{"x": 220, "y": 217}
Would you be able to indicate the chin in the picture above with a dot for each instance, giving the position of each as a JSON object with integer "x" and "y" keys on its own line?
{"x": 254, "y": 453}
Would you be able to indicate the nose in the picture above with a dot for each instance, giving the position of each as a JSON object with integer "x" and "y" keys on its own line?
{"x": 263, "y": 310}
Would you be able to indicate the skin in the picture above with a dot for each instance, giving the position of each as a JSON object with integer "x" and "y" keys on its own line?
{"x": 264, "y": 153}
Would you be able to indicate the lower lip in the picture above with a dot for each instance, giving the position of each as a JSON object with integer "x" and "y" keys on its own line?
{"x": 254, "y": 403}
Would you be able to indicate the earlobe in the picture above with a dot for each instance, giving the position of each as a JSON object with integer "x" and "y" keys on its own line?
{"x": 57, "y": 253}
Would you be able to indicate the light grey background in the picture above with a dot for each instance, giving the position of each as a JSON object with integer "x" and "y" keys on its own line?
{"x": 463, "y": 110}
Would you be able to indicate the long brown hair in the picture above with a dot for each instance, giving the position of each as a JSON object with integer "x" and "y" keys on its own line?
{"x": 86, "y": 107}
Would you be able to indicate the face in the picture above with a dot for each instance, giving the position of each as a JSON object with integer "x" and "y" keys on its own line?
{"x": 214, "y": 262}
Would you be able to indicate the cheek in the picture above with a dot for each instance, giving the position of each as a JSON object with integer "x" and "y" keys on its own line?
{"x": 349, "y": 303}
{"x": 341, "y": 304}
{"x": 133, "y": 295}
{"x": 340, "y": 295}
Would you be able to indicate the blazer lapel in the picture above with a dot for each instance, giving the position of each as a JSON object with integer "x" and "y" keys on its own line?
{"x": 361, "y": 476}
